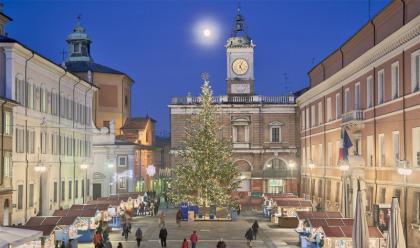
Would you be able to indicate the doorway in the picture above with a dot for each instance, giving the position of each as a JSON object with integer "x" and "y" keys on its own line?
{"x": 6, "y": 213}
{"x": 97, "y": 187}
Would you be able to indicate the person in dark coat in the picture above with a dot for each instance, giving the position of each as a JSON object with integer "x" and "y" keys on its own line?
{"x": 249, "y": 235}
{"x": 119, "y": 245}
{"x": 163, "y": 234}
{"x": 139, "y": 236}
{"x": 221, "y": 244}
{"x": 255, "y": 227}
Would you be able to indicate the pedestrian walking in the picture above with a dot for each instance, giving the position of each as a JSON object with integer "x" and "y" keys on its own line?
{"x": 184, "y": 244}
{"x": 152, "y": 209}
{"x": 105, "y": 235}
{"x": 119, "y": 245}
{"x": 178, "y": 218}
{"x": 139, "y": 236}
{"x": 249, "y": 235}
{"x": 163, "y": 234}
{"x": 162, "y": 220}
{"x": 194, "y": 239}
{"x": 221, "y": 244}
{"x": 255, "y": 228}
{"x": 125, "y": 231}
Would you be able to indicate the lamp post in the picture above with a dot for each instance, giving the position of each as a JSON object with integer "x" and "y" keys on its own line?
{"x": 344, "y": 166}
{"x": 291, "y": 164}
{"x": 311, "y": 166}
{"x": 151, "y": 171}
{"x": 405, "y": 171}
{"x": 84, "y": 166}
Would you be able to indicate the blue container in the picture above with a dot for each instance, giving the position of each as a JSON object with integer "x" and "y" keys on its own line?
{"x": 233, "y": 214}
{"x": 211, "y": 216}
{"x": 184, "y": 210}
{"x": 85, "y": 236}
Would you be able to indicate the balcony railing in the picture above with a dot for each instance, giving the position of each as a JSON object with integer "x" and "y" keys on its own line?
{"x": 355, "y": 115}
{"x": 185, "y": 100}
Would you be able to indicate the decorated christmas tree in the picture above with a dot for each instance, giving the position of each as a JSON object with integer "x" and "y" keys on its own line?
{"x": 205, "y": 174}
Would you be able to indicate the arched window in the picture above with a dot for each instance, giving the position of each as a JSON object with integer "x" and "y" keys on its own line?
{"x": 277, "y": 168}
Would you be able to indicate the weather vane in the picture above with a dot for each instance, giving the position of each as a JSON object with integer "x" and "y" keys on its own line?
{"x": 205, "y": 76}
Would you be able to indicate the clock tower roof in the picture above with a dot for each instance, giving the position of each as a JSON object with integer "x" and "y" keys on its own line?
{"x": 239, "y": 36}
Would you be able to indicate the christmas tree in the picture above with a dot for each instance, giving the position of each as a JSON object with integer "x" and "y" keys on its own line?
{"x": 205, "y": 174}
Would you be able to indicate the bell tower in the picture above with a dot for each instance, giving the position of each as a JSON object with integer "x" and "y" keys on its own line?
{"x": 240, "y": 59}
{"x": 78, "y": 44}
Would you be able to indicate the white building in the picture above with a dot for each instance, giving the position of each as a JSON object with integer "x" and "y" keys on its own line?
{"x": 113, "y": 159}
{"x": 52, "y": 130}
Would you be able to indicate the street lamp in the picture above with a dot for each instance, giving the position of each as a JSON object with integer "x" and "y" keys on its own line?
{"x": 84, "y": 166}
{"x": 405, "y": 171}
{"x": 151, "y": 171}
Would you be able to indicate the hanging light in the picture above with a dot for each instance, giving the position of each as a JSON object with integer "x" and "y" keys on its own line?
{"x": 151, "y": 170}
{"x": 291, "y": 164}
{"x": 40, "y": 167}
{"x": 311, "y": 164}
{"x": 84, "y": 166}
{"x": 344, "y": 166}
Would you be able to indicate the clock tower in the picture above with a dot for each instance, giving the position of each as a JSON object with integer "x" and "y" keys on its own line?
{"x": 240, "y": 60}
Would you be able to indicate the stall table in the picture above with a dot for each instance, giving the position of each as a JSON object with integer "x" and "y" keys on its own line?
{"x": 286, "y": 208}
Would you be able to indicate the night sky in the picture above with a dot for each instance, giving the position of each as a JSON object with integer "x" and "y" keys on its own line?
{"x": 155, "y": 42}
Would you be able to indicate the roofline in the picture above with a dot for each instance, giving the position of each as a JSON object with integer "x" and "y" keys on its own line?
{"x": 352, "y": 36}
{"x": 115, "y": 73}
{"x": 49, "y": 60}
{"x": 8, "y": 17}
{"x": 13, "y": 102}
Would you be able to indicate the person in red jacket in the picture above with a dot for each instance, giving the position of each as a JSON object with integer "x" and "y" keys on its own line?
{"x": 194, "y": 239}
{"x": 184, "y": 244}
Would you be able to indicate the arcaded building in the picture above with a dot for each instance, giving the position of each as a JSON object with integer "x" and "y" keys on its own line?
{"x": 369, "y": 87}
{"x": 262, "y": 129}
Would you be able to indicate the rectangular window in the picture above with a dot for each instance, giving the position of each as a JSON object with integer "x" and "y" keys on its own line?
{"x": 369, "y": 198}
{"x": 70, "y": 189}
{"x": 381, "y": 142}
{"x": 87, "y": 187}
{"x": 337, "y": 191}
{"x": 76, "y": 189}
{"x": 122, "y": 182}
{"x": 275, "y": 186}
{"x": 122, "y": 161}
{"x": 8, "y": 123}
{"x": 346, "y": 100}
{"x": 7, "y": 160}
{"x": 397, "y": 193}
{"x": 337, "y": 106}
{"x": 417, "y": 210}
{"x": 329, "y": 115}
{"x": 328, "y": 194}
{"x": 415, "y": 71}
{"x": 20, "y": 140}
{"x": 320, "y": 113}
{"x": 275, "y": 134}
{"x": 44, "y": 142}
{"x": 55, "y": 191}
{"x": 30, "y": 96}
{"x": 395, "y": 80}
{"x": 320, "y": 193}
{"x": 313, "y": 121}
{"x": 416, "y": 146}
{"x": 357, "y": 96}
{"x": 369, "y": 147}
{"x": 31, "y": 195}
{"x": 83, "y": 188}
{"x": 369, "y": 91}
{"x": 302, "y": 120}
{"x": 396, "y": 147}
{"x": 321, "y": 154}
{"x": 337, "y": 151}
{"x": 382, "y": 196}
{"x": 307, "y": 118}
{"x": 329, "y": 154}
{"x": 381, "y": 87}
{"x": 20, "y": 197}
{"x": 63, "y": 190}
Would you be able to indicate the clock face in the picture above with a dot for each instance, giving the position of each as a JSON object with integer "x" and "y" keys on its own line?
{"x": 240, "y": 66}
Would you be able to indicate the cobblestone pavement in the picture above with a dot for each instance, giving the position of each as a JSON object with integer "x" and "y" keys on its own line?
{"x": 208, "y": 232}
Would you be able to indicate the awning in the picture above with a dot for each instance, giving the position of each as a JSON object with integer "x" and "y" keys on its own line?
{"x": 17, "y": 236}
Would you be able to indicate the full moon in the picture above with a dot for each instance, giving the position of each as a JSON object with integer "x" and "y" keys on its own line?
{"x": 207, "y": 32}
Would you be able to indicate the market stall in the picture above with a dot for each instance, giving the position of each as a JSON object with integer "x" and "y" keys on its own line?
{"x": 55, "y": 229}
{"x": 86, "y": 223}
{"x": 21, "y": 238}
{"x": 284, "y": 211}
{"x": 304, "y": 216}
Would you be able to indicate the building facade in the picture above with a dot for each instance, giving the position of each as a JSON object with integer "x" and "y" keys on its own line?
{"x": 262, "y": 129}
{"x": 6, "y": 146}
{"x": 113, "y": 100}
{"x": 368, "y": 87}
{"x": 52, "y": 131}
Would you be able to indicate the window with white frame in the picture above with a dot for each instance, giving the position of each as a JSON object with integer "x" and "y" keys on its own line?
{"x": 20, "y": 140}
{"x": 7, "y": 160}
{"x": 308, "y": 153}
{"x": 44, "y": 142}
{"x": 381, "y": 143}
{"x": 313, "y": 152}
{"x": 307, "y": 118}
{"x": 275, "y": 132}
{"x": 416, "y": 217}
{"x": 303, "y": 155}
{"x": 240, "y": 131}
{"x": 313, "y": 121}
{"x": 7, "y": 123}
{"x": 381, "y": 87}
{"x": 122, "y": 182}
{"x": 396, "y": 146}
{"x": 395, "y": 80}
{"x": 329, "y": 153}
{"x": 337, "y": 106}
{"x": 321, "y": 154}
{"x": 337, "y": 151}
{"x": 346, "y": 100}
{"x": 302, "y": 120}
{"x": 415, "y": 71}
{"x": 320, "y": 114}
{"x": 30, "y": 144}
{"x": 30, "y": 96}
{"x": 369, "y": 150}
{"x": 329, "y": 113}
{"x": 20, "y": 90}
{"x": 416, "y": 146}
{"x": 357, "y": 96}
{"x": 43, "y": 100}
{"x": 122, "y": 161}
{"x": 369, "y": 91}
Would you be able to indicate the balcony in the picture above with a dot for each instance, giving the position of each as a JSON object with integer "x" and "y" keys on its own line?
{"x": 352, "y": 119}
{"x": 191, "y": 100}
